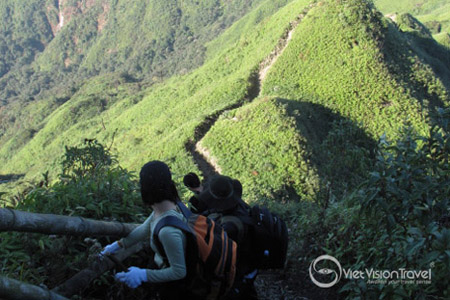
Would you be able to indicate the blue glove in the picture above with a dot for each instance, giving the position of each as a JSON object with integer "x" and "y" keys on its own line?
{"x": 133, "y": 278}
{"x": 111, "y": 248}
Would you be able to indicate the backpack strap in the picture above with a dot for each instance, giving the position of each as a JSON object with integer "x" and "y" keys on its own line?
{"x": 184, "y": 210}
{"x": 168, "y": 221}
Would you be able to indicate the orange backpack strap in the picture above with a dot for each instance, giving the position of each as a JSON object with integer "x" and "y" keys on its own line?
{"x": 214, "y": 252}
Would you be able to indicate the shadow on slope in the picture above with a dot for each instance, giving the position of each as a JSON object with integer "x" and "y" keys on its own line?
{"x": 10, "y": 177}
{"x": 426, "y": 52}
{"x": 339, "y": 150}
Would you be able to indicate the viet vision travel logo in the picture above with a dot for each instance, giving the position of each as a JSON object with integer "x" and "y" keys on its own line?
{"x": 328, "y": 277}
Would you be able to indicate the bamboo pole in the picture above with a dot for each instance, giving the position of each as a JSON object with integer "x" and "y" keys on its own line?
{"x": 16, "y": 220}
{"x": 14, "y": 289}
{"x": 82, "y": 279}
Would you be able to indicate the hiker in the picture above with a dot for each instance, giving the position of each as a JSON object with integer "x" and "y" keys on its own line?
{"x": 192, "y": 182}
{"x": 222, "y": 198}
{"x": 159, "y": 191}
{"x": 194, "y": 257}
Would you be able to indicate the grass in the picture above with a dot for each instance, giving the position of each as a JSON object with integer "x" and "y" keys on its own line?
{"x": 260, "y": 145}
{"x": 337, "y": 88}
{"x": 341, "y": 59}
{"x": 428, "y": 12}
{"x": 342, "y": 67}
{"x": 157, "y": 124}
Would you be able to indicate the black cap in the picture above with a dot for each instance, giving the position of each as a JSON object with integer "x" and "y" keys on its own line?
{"x": 219, "y": 194}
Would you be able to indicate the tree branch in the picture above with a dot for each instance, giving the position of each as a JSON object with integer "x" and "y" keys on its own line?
{"x": 82, "y": 279}
{"x": 15, "y": 220}
{"x": 14, "y": 289}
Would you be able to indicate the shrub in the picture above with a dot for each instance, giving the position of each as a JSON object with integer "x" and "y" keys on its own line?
{"x": 403, "y": 219}
{"x": 92, "y": 185}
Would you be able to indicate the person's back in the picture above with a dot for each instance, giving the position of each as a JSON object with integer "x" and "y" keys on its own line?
{"x": 159, "y": 191}
{"x": 223, "y": 200}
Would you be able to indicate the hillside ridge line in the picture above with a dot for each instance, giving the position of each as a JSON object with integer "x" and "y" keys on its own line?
{"x": 206, "y": 163}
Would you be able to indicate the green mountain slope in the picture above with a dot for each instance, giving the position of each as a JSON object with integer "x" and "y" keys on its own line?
{"x": 144, "y": 41}
{"x": 435, "y": 14}
{"x": 25, "y": 31}
{"x": 159, "y": 121}
{"x": 103, "y": 36}
{"x": 346, "y": 77}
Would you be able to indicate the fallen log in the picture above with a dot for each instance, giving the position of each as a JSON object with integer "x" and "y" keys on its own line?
{"x": 16, "y": 220}
{"x": 14, "y": 289}
{"x": 82, "y": 279}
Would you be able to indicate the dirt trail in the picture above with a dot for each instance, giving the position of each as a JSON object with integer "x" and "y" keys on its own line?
{"x": 271, "y": 285}
{"x": 206, "y": 163}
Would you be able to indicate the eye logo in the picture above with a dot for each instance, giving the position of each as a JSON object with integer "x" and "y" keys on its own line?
{"x": 325, "y": 271}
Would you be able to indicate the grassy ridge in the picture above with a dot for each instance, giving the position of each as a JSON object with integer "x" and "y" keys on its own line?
{"x": 336, "y": 59}
{"x": 435, "y": 14}
{"x": 162, "y": 121}
{"x": 146, "y": 41}
{"x": 264, "y": 130}
{"x": 343, "y": 82}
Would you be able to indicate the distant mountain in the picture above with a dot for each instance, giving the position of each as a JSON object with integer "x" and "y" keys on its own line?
{"x": 50, "y": 48}
{"x": 434, "y": 14}
{"x": 287, "y": 95}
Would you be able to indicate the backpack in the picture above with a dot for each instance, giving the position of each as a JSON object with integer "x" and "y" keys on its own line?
{"x": 210, "y": 253}
{"x": 269, "y": 238}
{"x": 267, "y": 234}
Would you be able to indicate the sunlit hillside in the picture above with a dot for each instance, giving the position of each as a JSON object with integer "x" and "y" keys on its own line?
{"x": 334, "y": 114}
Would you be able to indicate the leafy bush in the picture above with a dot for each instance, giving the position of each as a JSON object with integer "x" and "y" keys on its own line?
{"x": 403, "y": 219}
{"x": 91, "y": 185}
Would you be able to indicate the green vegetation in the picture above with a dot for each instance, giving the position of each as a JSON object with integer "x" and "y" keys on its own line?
{"x": 303, "y": 141}
{"x": 91, "y": 184}
{"x": 263, "y": 129}
{"x": 397, "y": 218}
{"x": 24, "y": 33}
{"x": 337, "y": 58}
{"x": 158, "y": 121}
{"x": 435, "y": 14}
{"x": 145, "y": 41}
{"x": 342, "y": 97}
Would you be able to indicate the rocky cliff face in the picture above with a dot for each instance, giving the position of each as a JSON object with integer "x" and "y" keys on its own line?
{"x": 61, "y": 12}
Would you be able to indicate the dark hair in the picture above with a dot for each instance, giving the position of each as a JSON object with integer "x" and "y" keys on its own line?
{"x": 191, "y": 180}
{"x": 156, "y": 183}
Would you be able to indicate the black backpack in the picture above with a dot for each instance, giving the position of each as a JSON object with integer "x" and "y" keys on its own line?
{"x": 269, "y": 238}
{"x": 267, "y": 234}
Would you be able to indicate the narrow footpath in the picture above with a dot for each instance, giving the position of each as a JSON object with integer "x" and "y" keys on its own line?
{"x": 277, "y": 284}
{"x": 206, "y": 163}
